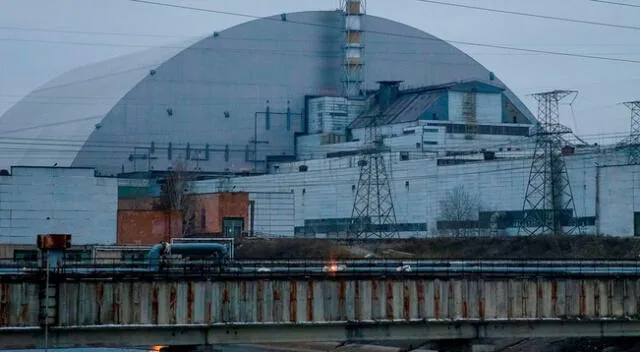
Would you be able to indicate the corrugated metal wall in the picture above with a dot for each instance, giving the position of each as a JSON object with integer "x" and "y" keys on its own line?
{"x": 57, "y": 200}
{"x": 256, "y": 301}
{"x": 273, "y": 213}
{"x": 326, "y": 189}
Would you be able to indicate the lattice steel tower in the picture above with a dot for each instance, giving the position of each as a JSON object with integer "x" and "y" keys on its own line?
{"x": 373, "y": 214}
{"x": 634, "y": 137}
{"x": 353, "y": 75}
{"x": 548, "y": 203}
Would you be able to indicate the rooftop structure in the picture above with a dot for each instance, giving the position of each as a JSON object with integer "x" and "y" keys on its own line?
{"x": 229, "y": 101}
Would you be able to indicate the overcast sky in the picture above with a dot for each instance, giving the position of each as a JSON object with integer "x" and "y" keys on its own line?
{"x": 34, "y": 49}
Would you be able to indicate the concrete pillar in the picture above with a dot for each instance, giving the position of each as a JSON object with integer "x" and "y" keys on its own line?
{"x": 464, "y": 346}
{"x": 188, "y": 348}
{"x": 482, "y": 347}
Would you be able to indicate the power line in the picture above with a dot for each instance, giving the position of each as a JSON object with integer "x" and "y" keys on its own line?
{"x": 615, "y": 3}
{"x": 220, "y": 12}
{"x": 327, "y": 54}
{"x": 227, "y": 38}
{"x": 71, "y": 31}
{"x": 527, "y": 14}
{"x": 504, "y": 47}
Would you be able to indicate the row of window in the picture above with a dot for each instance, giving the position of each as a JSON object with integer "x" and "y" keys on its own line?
{"x": 342, "y": 224}
{"x": 20, "y": 255}
{"x": 485, "y": 129}
{"x": 513, "y": 219}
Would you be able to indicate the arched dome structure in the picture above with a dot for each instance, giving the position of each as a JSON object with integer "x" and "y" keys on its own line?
{"x": 206, "y": 100}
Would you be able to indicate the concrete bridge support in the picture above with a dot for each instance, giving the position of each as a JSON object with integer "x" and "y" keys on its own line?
{"x": 462, "y": 346}
{"x": 188, "y": 348}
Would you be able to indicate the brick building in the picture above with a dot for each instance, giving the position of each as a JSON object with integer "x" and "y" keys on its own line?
{"x": 223, "y": 214}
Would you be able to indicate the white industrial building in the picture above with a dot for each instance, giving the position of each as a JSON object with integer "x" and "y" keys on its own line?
{"x": 435, "y": 150}
{"x": 44, "y": 200}
{"x": 321, "y": 198}
{"x": 288, "y": 127}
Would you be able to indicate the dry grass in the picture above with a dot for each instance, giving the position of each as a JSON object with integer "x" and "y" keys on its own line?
{"x": 290, "y": 249}
{"x": 543, "y": 247}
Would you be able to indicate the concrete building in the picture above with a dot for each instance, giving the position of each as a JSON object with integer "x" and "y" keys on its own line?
{"x": 42, "y": 200}
{"x": 232, "y": 100}
{"x": 604, "y": 188}
{"x": 261, "y": 109}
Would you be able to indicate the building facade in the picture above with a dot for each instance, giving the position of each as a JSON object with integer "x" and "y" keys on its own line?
{"x": 141, "y": 221}
{"x": 230, "y": 101}
{"x": 603, "y": 185}
{"x": 43, "y": 200}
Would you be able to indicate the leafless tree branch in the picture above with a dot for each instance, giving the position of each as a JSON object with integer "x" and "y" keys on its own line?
{"x": 457, "y": 207}
{"x": 176, "y": 196}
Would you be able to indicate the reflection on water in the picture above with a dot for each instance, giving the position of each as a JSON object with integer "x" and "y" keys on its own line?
{"x": 221, "y": 348}
{"x": 151, "y": 349}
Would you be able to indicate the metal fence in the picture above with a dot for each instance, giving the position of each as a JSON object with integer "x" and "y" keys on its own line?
{"x": 270, "y": 268}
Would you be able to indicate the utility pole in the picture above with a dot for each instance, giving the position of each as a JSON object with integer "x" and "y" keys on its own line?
{"x": 373, "y": 214}
{"x": 634, "y": 137}
{"x": 548, "y": 203}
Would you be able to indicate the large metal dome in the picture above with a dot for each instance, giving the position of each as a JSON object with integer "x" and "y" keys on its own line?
{"x": 199, "y": 99}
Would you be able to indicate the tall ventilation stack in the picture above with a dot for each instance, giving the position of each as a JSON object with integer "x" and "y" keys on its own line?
{"x": 353, "y": 77}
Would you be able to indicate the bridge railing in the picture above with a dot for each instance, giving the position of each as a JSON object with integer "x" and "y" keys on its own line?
{"x": 179, "y": 267}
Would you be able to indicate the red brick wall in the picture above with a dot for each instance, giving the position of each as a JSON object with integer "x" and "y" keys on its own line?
{"x": 139, "y": 224}
{"x": 140, "y": 227}
{"x": 219, "y": 206}
{"x": 145, "y": 203}
{"x": 234, "y": 205}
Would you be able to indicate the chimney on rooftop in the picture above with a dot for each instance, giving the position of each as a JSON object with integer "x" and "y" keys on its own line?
{"x": 388, "y": 93}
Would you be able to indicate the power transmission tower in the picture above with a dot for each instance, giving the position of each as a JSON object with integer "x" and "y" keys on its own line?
{"x": 548, "y": 203}
{"x": 634, "y": 137}
{"x": 373, "y": 214}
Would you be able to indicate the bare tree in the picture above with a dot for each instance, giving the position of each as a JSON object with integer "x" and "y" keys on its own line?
{"x": 176, "y": 197}
{"x": 458, "y": 208}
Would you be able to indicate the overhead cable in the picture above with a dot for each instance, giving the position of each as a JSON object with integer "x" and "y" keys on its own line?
{"x": 527, "y": 14}
{"x": 398, "y": 34}
{"x": 615, "y": 3}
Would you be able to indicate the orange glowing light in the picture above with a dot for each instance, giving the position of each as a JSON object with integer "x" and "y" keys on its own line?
{"x": 157, "y": 348}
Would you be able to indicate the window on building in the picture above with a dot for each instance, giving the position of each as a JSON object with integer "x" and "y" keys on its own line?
{"x": 404, "y": 156}
{"x": 77, "y": 256}
{"x": 25, "y": 256}
{"x": 131, "y": 256}
{"x": 203, "y": 219}
{"x": 232, "y": 227}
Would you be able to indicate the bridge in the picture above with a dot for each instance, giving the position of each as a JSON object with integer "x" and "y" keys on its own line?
{"x": 98, "y": 306}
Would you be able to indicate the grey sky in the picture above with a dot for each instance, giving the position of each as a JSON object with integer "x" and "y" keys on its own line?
{"x": 30, "y": 58}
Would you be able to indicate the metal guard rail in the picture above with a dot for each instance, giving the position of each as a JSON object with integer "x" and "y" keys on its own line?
{"x": 298, "y": 268}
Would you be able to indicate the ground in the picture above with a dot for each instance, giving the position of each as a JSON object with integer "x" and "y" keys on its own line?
{"x": 526, "y": 345}
{"x": 542, "y": 247}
